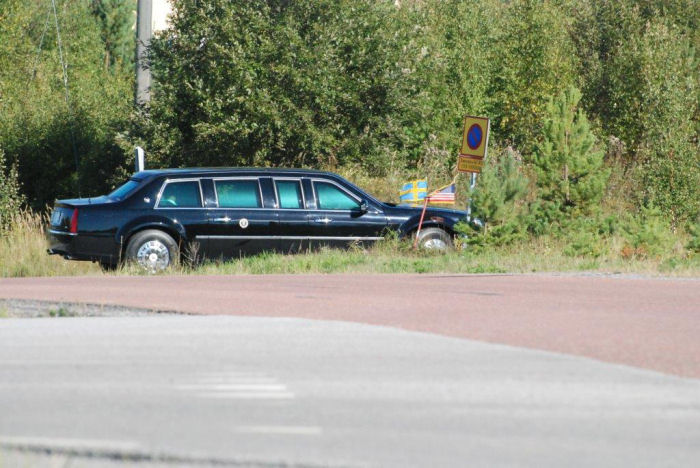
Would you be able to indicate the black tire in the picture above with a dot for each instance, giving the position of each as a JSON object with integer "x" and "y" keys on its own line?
{"x": 435, "y": 239}
{"x": 153, "y": 250}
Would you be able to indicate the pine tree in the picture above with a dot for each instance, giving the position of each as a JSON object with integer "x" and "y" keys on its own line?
{"x": 495, "y": 200}
{"x": 571, "y": 177}
{"x": 117, "y": 18}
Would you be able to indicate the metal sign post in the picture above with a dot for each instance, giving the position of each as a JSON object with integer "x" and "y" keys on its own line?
{"x": 472, "y": 184}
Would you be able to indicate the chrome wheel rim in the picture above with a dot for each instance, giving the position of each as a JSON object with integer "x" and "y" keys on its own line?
{"x": 153, "y": 256}
{"x": 435, "y": 244}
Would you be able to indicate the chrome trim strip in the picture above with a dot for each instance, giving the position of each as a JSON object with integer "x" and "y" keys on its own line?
{"x": 62, "y": 233}
{"x": 290, "y": 237}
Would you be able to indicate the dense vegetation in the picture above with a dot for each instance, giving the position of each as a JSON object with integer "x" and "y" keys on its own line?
{"x": 63, "y": 144}
{"x": 594, "y": 103}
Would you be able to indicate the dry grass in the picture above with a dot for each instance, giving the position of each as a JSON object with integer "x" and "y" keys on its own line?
{"x": 23, "y": 251}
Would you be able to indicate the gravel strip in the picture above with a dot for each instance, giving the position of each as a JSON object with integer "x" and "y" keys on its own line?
{"x": 25, "y": 308}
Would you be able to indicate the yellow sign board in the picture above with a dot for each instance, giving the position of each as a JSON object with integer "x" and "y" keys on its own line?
{"x": 469, "y": 164}
{"x": 475, "y": 138}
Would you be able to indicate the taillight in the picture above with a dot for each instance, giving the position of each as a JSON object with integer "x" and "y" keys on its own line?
{"x": 74, "y": 222}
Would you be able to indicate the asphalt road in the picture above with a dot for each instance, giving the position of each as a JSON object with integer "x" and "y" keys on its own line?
{"x": 248, "y": 391}
{"x": 648, "y": 323}
{"x": 485, "y": 370}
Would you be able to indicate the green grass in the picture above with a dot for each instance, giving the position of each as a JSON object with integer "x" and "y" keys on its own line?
{"x": 395, "y": 256}
{"x": 23, "y": 253}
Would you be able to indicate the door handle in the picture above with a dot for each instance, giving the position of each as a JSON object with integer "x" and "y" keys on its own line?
{"x": 225, "y": 219}
{"x": 322, "y": 220}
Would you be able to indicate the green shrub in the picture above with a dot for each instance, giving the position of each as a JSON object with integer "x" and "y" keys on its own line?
{"x": 694, "y": 243}
{"x": 11, "y": 200}
{"x": 588, "y": 236}
{"x": 648, "y": 234}
{"x": 496, "y": 201}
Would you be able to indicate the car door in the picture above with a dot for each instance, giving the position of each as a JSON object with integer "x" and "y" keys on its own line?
{"x": 180, "y": 200}
{"x": 241, "y": 222}
{"x": 293, "y": 224}
{"x": 339, "y": 217}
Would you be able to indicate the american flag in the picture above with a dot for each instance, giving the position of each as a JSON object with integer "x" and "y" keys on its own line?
{"x": 444, "y": 194}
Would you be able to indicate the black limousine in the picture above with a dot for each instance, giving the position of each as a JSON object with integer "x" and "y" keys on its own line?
{"x": 227, "y": 212}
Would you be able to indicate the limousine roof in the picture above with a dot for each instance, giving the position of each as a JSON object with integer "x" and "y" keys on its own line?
{"x": 229, "y": 170}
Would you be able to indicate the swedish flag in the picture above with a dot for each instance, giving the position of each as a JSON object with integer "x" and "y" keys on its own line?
{"x": 414, "y": 192}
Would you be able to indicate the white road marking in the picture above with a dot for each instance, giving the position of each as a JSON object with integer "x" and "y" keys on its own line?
{"x": 237, "y": 386}
{"x": 245, "y": 396}
{"x": 284, "y": 430}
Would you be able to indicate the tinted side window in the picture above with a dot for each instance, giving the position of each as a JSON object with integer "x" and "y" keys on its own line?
{"x": 289, "y": 192}
{"x": 238, "y": 193}
{"x": 331, "y": 197}
{"x": 181, "y": 195}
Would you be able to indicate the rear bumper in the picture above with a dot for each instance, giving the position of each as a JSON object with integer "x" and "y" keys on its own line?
{"x": 73, "y": 246}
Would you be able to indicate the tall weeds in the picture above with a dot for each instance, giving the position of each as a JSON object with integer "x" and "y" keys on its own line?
{"x": 23, "y": 250}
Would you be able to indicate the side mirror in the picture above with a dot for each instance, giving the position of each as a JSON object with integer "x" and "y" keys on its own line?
{"x": 364, "y": 207}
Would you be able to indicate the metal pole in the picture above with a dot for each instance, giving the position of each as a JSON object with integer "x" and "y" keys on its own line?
{"x": 144, "y": 31}
{"x": 472, "y": 184}
{"x": 420, "y": 223}
{"x": 139, "y": 159}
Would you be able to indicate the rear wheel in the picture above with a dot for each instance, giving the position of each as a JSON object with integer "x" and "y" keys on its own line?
{"x": 435, "y": 239}
{"x": 153, "y": 250}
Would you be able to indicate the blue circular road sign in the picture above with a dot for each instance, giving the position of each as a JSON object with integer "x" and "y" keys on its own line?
{"x": 474, "y": 136}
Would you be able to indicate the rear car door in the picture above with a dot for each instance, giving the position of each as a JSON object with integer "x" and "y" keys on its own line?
{"x": 241, "y": 220}
{"x": 181, "y": 201}
{"x": 293, "y": 228}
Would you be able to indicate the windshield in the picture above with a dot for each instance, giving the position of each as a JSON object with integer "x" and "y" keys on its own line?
{"x": 125, "y": 189}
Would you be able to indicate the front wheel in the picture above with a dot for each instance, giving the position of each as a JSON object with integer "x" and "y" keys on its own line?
{"x": 435, "y": 239}
{"x": 153, "y": 250}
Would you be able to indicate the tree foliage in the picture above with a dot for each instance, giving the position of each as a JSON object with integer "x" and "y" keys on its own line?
{"x": 377, "y": 85}
{"x": 58, "y": 143}
{"x": 496, "y": 201}
{"x": 11, "y": 200}
{"x": 571, "y": 177}
{"x": 116, "y": 20}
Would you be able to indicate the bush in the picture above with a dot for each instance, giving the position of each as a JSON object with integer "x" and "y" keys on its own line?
{"x": 11, "y": 200}
{"x": 694, "y": 242}
{"x": 496, "y": 201}
{"x": 648, "y": 234}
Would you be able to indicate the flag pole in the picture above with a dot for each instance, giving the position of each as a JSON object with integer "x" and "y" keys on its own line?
{"x": 420, "y": 223}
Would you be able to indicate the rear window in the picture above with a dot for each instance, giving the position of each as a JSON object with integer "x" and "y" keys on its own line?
{"x": 121, "y": 192}
{"x": 289, "y": 192}
{"x": 238, "y": 193}
{"x": 181, "y": 195}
